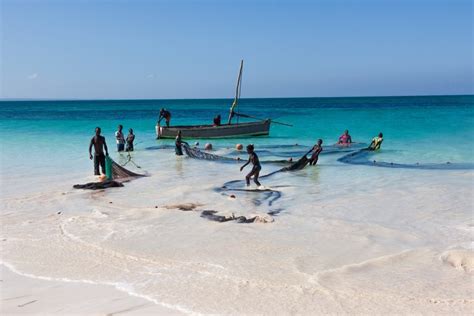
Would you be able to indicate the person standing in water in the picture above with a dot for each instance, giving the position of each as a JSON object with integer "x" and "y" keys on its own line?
{"x": 317, "y": 149}
{"x": 98, "y": 141}
{"x": 165, "y": 114}
{"x": 345, "y": 138}
{"x": 255, "y": 172}
{"x": 119, "y": 138}
{"x": 130, "y": 139}
{"x": 178, "y": 143}
{"x": 376, "y": 142}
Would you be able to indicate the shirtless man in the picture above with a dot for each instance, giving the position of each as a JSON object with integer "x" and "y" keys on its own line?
{"x": 178, "y": 142}
{"x": 165, "y": 114}
{"x": 253, "y": 158}
{"x": 98, "y": 141}
{"x": 129, "y": 140}
{"x": 317, "y": 149}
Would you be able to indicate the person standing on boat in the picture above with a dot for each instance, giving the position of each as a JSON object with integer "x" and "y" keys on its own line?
{"x": 255, "y": 172}
{"x": 98, "y": 141}
{"x": 120, "y": 139}
{"x": 130, "y": 139}
{"x": 178, "y": 143}
{"x": 345, "y": 139}
{"x": 165, "y": 114}
{"x": 217, "y": 120}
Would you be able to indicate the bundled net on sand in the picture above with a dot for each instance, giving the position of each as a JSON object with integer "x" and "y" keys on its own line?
{"x": 114, "y": 172}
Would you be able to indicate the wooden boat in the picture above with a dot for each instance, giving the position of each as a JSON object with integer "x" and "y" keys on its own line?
{"x": 258, "y": 128}
{"x": 222, "y": 131}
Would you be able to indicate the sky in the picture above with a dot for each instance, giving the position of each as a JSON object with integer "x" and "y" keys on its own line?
{"x": 84, "y": 49}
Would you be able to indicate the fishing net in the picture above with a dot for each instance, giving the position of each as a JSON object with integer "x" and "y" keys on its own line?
{"x": 98, "y": 185}
{"x": 362, "y": 157}
{"x": 119, "y": 172}
{"x": 298, "y": 165}
{"x": 197, "y": 154}
{"x": 115, "y": 171}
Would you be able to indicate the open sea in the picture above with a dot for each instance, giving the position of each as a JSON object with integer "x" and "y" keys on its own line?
{"x": 350, "y": 237}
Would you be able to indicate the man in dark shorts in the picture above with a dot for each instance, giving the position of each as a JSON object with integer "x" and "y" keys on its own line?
{"x": 178, "y": 143}
{"x": 165, "y": 114}
{"x": 98, "y": 141}
{"x": 253, "y": 158}
{"x": 130, "y": 139}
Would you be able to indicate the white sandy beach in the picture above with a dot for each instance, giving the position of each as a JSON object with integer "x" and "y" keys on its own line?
{"x": 30, "y": 295}
{"x": 402, "y": 243}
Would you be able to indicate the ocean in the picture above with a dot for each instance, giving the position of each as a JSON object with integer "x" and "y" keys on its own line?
{"x": 341, "y": 237}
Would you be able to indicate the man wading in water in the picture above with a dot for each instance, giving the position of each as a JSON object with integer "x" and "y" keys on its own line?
{"x": 178, "y": 143}
{"x": 316, "y": 150}
{"x": 98, "y": 141}
{"x": 120, "y": 139}
{"x": 253, "y": 158}
{"x": 376, "y": 142}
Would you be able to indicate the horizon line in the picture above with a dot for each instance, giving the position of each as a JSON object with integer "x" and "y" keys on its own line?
{"x": 228, "y": 98}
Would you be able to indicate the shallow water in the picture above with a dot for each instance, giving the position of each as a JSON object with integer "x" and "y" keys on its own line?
{"x": 345, "y": 238}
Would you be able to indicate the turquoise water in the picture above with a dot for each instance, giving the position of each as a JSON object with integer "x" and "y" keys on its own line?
{"x": 432, "y": 129}
{"x": 331, "y": 230}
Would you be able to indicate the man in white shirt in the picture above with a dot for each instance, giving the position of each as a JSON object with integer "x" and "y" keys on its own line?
{"x": 120, "y": 139}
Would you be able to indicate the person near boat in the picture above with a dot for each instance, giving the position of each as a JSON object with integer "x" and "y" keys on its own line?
{"x": 217, "y": 120}
{"x": 164, "y": 114}
{"x": 255, "y": 172}
{"x": 178, "y": 143}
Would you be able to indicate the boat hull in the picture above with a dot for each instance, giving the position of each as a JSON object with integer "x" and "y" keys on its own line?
{"x": 260, "y": 128}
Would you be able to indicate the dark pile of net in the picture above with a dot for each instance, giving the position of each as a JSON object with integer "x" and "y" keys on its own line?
{"x": 118, "y": 172}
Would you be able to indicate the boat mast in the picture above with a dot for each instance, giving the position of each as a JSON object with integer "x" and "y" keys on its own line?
{"x": 237, "y": 92}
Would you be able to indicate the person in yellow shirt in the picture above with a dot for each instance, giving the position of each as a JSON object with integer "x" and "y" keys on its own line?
{"x": 376, "y": 142}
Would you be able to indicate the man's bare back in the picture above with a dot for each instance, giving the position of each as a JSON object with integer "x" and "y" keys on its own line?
{"x": 98, "y": 142}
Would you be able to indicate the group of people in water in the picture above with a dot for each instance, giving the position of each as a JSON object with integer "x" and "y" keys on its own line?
{"x": 344, "y": 140}
{"x": 100, "y": 146}
{"x": 122, "y": 141}
{"x": 101, "y": 150}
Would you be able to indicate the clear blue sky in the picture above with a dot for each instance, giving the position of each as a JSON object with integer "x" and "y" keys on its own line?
{"x": 192, "y": 49}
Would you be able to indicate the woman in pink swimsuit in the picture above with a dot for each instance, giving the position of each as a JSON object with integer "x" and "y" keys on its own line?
{"x": 345, "y": 138}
